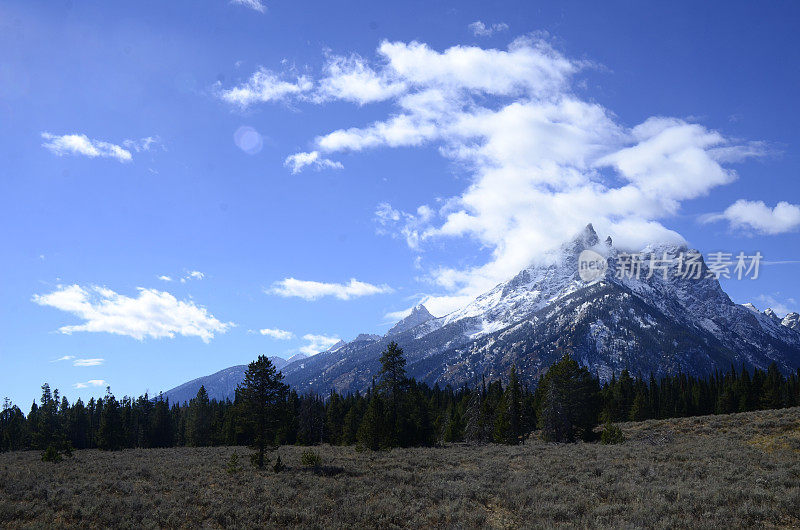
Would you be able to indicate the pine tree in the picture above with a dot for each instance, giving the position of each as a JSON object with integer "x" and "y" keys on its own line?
{"x": 109, "y": 433}
{"x": 262, "y": 395}
{"x": 570, "y": 402}
{"x": 198, "y": 421}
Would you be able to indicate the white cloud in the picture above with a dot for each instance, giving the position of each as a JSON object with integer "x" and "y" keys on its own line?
{"x": 153, "y": 313}
{"x": 142, "y": 144}
{"x": 311, "y": 290}
{"x": 542, "y": 160}
{"x": 758, "y": 217}
{"x": 64, "y": 358}
{"x": 317, "y": 343}
{"x": 352, "y": 79}
{"x": 480, "y": 29}
{"x": 80, "y": 144}
{"x": 193, "y": 275}
{"x": 263, "y": 86}
{"x": 781, "y": 307}
{"x": 91, "y": 383}
{"x": 255, "y": 5}
{"x": 165, "y": 278}
{"x": 88, "y": 362}
{"x": 298, "y": 161}
{"x": 278, "y": 334}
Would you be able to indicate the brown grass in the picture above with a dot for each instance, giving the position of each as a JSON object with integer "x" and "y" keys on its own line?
{"x": 736, "y": 470}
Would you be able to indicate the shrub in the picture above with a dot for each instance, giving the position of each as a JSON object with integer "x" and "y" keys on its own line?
{"x": 612, "y": 435}
{"x": 51, "y": 454}
{"x": 258, "y": 460}
{"x": 310, "y": 459}
{"x": 233, "y": 464}
{"x": 55, "y": 454}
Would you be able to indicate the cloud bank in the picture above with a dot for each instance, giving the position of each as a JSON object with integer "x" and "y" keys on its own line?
{"x": 543, "y": 160}
{"x": 151, "y": 314}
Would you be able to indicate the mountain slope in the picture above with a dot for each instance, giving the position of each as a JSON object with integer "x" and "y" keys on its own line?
{"x": 646, "y": 324}
{"x": 659, "y": 322}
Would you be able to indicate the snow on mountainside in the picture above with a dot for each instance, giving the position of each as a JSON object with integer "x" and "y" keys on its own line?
{"x": 791, "y": 321}
{"x": 419, "y": 315}
{"x": 646, "y": 324}
{"x": 661, "y": 321}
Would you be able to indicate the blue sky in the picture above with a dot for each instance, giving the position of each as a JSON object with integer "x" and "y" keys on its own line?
{"x": 312, "y": 169}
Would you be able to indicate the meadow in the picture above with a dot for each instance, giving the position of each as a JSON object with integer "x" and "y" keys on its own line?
{"x": 726, "y": 470}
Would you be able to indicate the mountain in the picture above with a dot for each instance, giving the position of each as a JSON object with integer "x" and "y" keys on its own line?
{"x": 647, "y": 324}
{"x": 661, "y": 321}
{"x": 221, "y": 385}
{"x": 419, "y": 315}
{"x": 278, "y": 362}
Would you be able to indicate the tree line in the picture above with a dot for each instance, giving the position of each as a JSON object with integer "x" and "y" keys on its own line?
{"x": 568, "y": 402}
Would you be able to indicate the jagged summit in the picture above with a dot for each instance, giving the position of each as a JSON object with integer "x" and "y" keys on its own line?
{"x": 419, "y": 315}
{"x": 771, "y": 314}
{"x": 652, "y": 323}
{"x": 366, "y": 337}
{"x": 792, "y": 321}
{"x": 336, "y": 346}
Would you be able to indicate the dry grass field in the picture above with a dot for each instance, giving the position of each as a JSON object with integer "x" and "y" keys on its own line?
{"x": 735, "y": 470}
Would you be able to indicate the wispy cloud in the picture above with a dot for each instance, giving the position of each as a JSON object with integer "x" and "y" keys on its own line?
{"x": 80, "y": 144}
{"x": 64, "y": 358}
{"x": 278, "y": 334}
{"x": 311, "y": 290}
{"x": 165, "y": 278}
{"x": 255, "y": 5}
{"x": 781, "y": 306}
{"x": 758, "y": 217}
{"x": 91, "y": 383}
{"x": 79, "y": 362}
{"x": 480, "y": 29}
{"x": 298, "y": 161}
{"x": 88, "y": 362}
{"x": 263, "y": 86}
{"x": 317, "y": 343}
{"x": 151, "y": 314}
{"x": 195, "y": 275}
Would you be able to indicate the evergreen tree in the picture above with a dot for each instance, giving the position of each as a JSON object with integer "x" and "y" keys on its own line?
{"x": 109, "y": 433}
{"x": 198, "y": 421}
{"x": 262, "y": 395}
{"x": 570, "y": 402}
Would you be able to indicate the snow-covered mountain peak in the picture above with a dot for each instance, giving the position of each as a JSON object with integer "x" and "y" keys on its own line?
{"x": 366, "y": 337}
{"x": 771, "y": 314}
{"x": 419, "y": 315}
{"x": 791, "y": 321}
{"x": 336, "y": 346}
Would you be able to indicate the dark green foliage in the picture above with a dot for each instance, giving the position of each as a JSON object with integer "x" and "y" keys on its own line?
{"x": 55, "y": 454}
{"x": 570, "y": 402}
{"x": 611, "y": 434}
{"x": 396, "y": 412}
{"x": 310, "y": 458}
{"x": 233, "y": 464}
{"x": 198, "y": 421}
{"x": 278, "y": 467}
{"x": 262, "y": 396}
